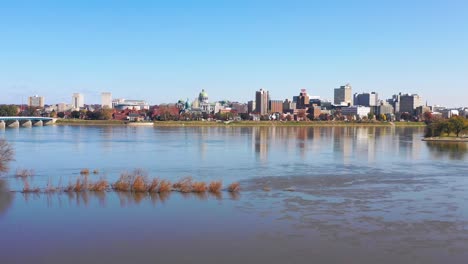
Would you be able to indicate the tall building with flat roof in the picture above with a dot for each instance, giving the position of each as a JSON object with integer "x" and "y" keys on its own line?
{"x": 77, "y": 100}
{"x": 276, "y": 106}
{"x": 36, "y": 101}
{"x": 106, "y": 100}
{"x": 344, "y": 95}
{"x": 366, "y": 99}
{"x": 409, "y": 103}
{"x": 303, "y": 100}
{"x": 261, "y": 101}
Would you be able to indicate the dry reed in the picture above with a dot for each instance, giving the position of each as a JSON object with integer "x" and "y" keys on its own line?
{"x": 99, "y": 186}
{"x": 234, "y": 187}
{"x": 215, "y": 186}
{"x": 164, "y": 186}
{"x": 184, "y": 185}
{"x": 123, "y": 184}
{"x": 84, "y": 171}
{"x": 153, "y": 186}
{"x": 27, "y": 188}
{"x": 139, "y": 184}
{"x": 199, "y": 187}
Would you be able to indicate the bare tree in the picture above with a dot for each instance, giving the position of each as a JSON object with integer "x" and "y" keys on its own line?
{"x": 6, "y": 155}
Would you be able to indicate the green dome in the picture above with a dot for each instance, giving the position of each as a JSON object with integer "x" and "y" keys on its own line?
{"x": 203, "y": 94}
{"x": 203, "y": 97}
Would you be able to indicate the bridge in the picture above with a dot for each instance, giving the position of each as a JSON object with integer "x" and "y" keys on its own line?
{"x": 25, "y": 121}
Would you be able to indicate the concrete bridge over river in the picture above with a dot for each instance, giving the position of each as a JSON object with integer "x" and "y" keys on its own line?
{"x": 25, "y": 121}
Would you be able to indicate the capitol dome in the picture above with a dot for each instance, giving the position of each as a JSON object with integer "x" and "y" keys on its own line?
{"x": 203, "y": 97}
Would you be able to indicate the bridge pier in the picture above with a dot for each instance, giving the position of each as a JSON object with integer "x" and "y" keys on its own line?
{"x": 38, "y": 123}
{"x": 2, "y": 124}
{"x": 15, "y": 124}
{"x": 27, "y": 123}
{"x": 48, "y": 123}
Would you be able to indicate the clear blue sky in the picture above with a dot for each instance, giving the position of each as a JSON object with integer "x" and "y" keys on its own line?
{"x": 165, "y": 50}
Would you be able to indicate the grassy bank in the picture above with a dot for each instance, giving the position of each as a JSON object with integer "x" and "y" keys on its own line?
{"x": 245, "y": 123}
{"x": 284, "y": 124}
{"x": 81, "y": 122}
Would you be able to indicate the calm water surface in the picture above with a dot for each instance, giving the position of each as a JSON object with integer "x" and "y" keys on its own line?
{"x": 361, "y": 195}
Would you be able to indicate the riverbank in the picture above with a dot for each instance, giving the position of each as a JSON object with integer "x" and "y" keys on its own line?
{"x": 239, "y": 123}
{"x": 446, "y": 139}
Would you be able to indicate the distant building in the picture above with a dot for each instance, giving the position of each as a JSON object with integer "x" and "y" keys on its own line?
{"x": 36, "y": 101}
{"x": 261, "y": 102}
{"x": 77, "y": 101}
{"x": 344, "y": 95}
{"x": 276, "y": 106}
{"x": 361, "y": 111}
{"x": 204, "y": 105}
{"x": 366, "y": 99}
{"x": 409, "y": 103}
{"x": 62, "y": 107}
{"x": 385, "y": 108}
{"x": 106, "y": 100}
{"x": 303, "y": 100}
{"x": 315, "y": 111}
{"x": 123, "y": 104}
{"x": 289, "y": 106}
{"x": 251, "y": 106}
{"x": 239, "y": 108}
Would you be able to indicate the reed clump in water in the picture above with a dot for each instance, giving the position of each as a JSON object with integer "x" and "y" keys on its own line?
{"x": 164, "y": 186}
{"x": 123, "y": 184}
{"x": 199, "y": 187}
{"x": 84, "y": 171}
{"x": 95, "y": 171}
{"x": 139, "y": 184}
{"x": 99, "y": 186}
{"x": 184, "y": 185}
{"x": 215, "y": 186}
{"x": 234, "y": 187}
{"x": 28, "y": 189}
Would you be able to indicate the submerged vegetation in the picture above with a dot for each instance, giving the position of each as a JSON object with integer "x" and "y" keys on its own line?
{"x": 136, "y": 182}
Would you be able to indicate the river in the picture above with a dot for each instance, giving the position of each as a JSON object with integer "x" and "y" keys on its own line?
{"x": 308, "y": 194}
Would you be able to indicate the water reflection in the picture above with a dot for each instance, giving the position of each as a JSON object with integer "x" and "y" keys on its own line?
{"x": 452, "y": 150}
{"x": 6, "y": 197}
{"x": 125, "y": 199}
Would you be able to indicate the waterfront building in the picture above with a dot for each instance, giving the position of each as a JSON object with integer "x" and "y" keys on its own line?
{"x": 303, "y": 100}
{"x": 366, "y": 99}
{"x": 343, "y": 95}
{"x": 36, "y": 101}
{"x": 106, "y": 100}
{"x": 275, "y": 106}
{"x": 77, "y": 101}
{"x": 409, "y": 103}
{"x": 204, "y": 104}
{"x": 123, "y": 104}
{"x": 361, "y": 111}
{"x": 240, "y": 108}
{"x": 385, "y": 108}
{"x": 251, "y": 106}
{"x": 261, "y": 102}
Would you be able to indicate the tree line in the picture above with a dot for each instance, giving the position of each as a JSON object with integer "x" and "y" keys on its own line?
{"x": 456, "y": 125}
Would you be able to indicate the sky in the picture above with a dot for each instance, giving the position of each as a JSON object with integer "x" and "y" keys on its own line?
{"x": 163, "y": 51}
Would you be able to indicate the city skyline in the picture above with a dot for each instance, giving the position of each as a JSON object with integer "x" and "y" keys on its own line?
{"x": 163, "y": 51}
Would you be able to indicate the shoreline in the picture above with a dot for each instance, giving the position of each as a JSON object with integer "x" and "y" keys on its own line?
{"x": 237, "y": 124}
{"x": 446, "y": 139}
